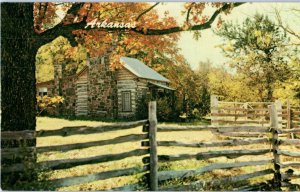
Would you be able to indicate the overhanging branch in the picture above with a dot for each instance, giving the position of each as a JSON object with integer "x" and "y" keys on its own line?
{"x": 63, "y": 30}
{"x": 203, "y": 26}
{"x": 188, "y": 12}
{"x": 146, "y": 11}
{"x": 66, "y": 29}
{"x": 287, "y": 29}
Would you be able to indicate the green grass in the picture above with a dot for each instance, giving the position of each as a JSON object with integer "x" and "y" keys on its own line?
{"x": 47, "y": 123}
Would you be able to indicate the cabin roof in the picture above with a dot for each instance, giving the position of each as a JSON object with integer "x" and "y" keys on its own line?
{"x": 141, "y": 70}
{"x": 161, "y": 86}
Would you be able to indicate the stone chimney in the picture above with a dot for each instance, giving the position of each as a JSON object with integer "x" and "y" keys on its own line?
{"x": 57, "y": 79}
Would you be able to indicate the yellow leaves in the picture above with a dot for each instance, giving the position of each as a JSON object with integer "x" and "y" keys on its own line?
{"x": 48, "y": 102}
{"x": 133, "y": 52}
{"x": 220, "y": 22}
{"x": 226, "y": 47}
{"x": 286, "y": 91}
{"x": 159, "y": 67}
{"x": 39, "y": 99}
{"x": 145, "y": 30}
{"x": 115, "y": 61}
{"x": 185, "y": 26}
{"x": 263, "y": 38}
{"x": 70, "y": 51}
{"x": 257, "y": 33}
{"x": 53, "y": 100}
{"x": 267, "y": 39}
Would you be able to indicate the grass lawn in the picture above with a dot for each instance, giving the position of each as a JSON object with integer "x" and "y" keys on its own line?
{"x": 46, "y": 123}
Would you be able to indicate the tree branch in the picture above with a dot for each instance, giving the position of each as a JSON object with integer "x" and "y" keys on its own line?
{"x": 146, "y": 11}
{"x": 203, "y": 26}
{"x": 176, "y": 29}
{"x": 189, "y": 11}
{"x": 75, "y": 8}
{"x": 287, "y": 29}
{"x": 66, "y": 29}
{"x": 45, "y": 10}
{"x": 63, "y": 30}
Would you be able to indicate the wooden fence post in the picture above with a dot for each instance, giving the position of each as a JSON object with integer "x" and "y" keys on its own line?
{"x": 246, "y": 111}
{"x": 278, "y": 105}
{"x": 289, "y": 118}
{"x": 153, "y": 146}
{"x": 275, "y": 143}
{"x": 214, "y": 108}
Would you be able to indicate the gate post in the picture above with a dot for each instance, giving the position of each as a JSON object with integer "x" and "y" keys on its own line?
{"x": 275, "y": 142}
{"x": 214, "y": 109}
{"x": 289, "y": 118}
{"x": 278, "y": 105}
{"x": 153, "y": 146}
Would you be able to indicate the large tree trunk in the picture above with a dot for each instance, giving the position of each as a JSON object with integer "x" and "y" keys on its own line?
{"x": 18, "y": 102}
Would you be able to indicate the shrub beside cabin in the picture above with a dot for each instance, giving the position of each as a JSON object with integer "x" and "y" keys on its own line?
{"x": 99, "y": 91}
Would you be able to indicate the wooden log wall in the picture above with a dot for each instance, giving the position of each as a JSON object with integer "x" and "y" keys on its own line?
{"x": 126, "y": 81}
{"x": 82, "y": 95}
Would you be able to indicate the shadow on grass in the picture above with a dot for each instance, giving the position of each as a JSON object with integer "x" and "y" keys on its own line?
{"x": 120, "y": 120}
{"x": 191, "y": 122}
{"x": 88, "y": 118}
{"x": 38, "y": 182}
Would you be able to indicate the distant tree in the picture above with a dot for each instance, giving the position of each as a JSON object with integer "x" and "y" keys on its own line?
{"x": 185, "y": 81}
{"x": 294, "y": 79}
{"x": 258, "y": 50}
{"x": 59, "y": 52}
{"x": 202, "y": 72}
{"x": 231, "y": 87}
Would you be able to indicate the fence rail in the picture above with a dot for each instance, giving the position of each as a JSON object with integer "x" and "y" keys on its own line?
{"x": 97, "y": 176}
{"x": 80, "y": 130}
{"x": 214, "y": 144}
{"x": 239, "y": 113}
{"x": 198, "y": 185}
{"x": 166, "y": 175}
{"x": 117, "y": 140}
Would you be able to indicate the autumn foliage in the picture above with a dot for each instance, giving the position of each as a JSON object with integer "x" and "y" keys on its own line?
{"x": 46, "y": 102}
{"x": 153, "y": 40}
{"x": 154, "y": 35}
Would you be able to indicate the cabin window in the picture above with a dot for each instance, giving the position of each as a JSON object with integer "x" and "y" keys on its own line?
{"x": 43, "y": 91}
{"x": 126, "y": 101}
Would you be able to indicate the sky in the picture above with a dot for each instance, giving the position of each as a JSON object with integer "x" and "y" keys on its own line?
{"x": 205, "y": 48}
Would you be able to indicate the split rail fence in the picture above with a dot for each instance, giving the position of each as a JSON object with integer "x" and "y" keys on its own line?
{"x": 21, "y": 136}
{"x": 282, "y": 172}
{"x": 254, "y": 113}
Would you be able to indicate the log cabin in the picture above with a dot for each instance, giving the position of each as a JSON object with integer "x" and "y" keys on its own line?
{"x": 99, "y": 91}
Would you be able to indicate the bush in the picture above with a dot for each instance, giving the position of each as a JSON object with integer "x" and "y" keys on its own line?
{"x": 47, "y": 102}
{"x": 166, "y": 111}
{"x": 142, "y": 108}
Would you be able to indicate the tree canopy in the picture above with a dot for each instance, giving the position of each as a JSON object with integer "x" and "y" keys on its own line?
{"x": 258, "y": 49}
{"x": 140, "y": 42}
